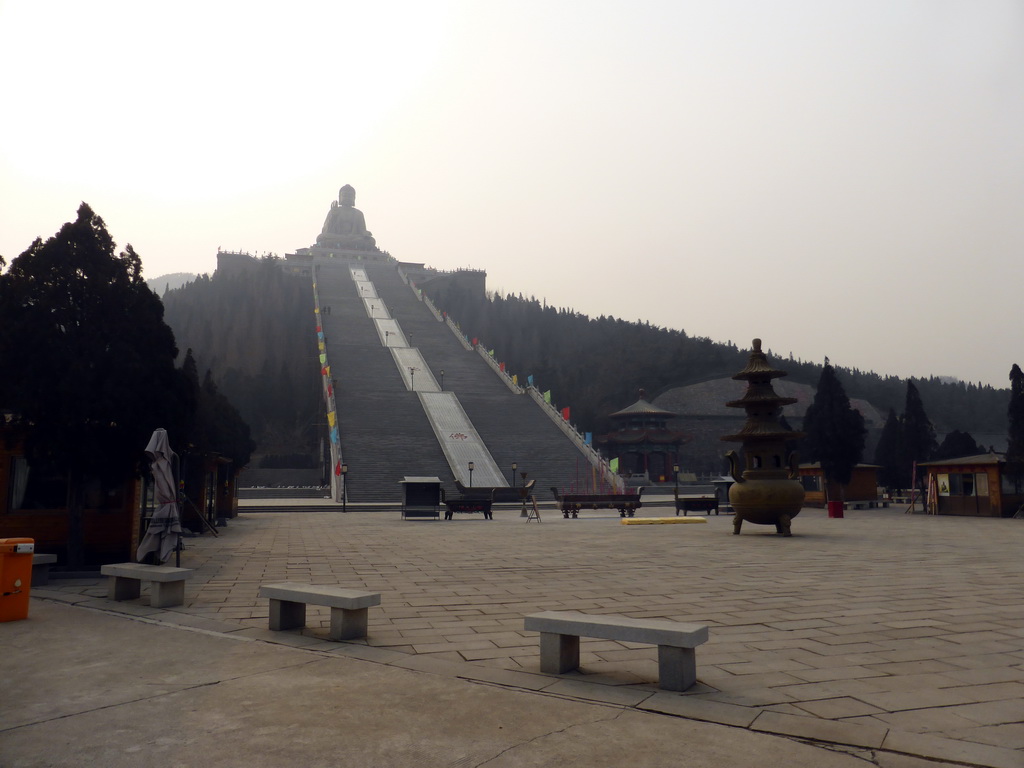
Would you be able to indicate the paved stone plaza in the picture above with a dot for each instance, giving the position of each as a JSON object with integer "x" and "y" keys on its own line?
{"x": 879, "y": 630}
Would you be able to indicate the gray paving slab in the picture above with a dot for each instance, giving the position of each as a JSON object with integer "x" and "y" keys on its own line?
{"x": 881, "y": 622}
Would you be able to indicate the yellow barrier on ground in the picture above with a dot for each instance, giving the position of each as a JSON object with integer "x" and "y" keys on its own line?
{"x": 661, "y": 520}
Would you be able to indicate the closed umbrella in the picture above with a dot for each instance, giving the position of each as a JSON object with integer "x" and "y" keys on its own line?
{"x": 164, "y": 532}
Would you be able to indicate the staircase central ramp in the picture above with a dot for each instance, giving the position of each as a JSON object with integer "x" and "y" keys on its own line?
{"x": 460, "y": 441}
{"x": 458, "y": 438}
{"x": 514, "y": 429}
{"x": 415, "y": 371}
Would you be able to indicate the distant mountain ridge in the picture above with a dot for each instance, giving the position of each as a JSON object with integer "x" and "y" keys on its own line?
{"x": 160, "y": 285}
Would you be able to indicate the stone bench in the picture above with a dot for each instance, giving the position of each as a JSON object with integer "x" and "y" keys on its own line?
{"x": 349, "y": 607}
{"x": 560, "y": 633}
{"x": 41, "y": 569}
{"x": 167, "y": 583}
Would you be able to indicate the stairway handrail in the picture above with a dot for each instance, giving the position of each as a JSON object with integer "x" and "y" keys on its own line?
{"x": 595, "y": 458}
{"x": 496, "y": 367}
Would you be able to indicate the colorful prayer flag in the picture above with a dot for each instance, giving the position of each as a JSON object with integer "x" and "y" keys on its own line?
{"x": 565, "y": 413}
{"x": 547, "y": 396}
{"x": 614, "y": 464}
{"x": 323, "y": 359}
{"x": 331, "y": 418}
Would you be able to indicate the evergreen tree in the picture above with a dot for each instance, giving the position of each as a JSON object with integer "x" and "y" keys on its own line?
{"x": 1015, "y": 432}
{"x": 887, "y": 453}
{"x": 917, "y": 434}
{"x": 835, "y": 431}
{"x": 88, "y": 361}
{"x": 957, "y": 444}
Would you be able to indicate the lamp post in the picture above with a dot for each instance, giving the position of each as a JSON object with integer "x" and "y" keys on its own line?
{"x": 675, "y": 471}
{"x": 386, "y": 335}
{"x": 514, "y": 467}
{"x": 471, "y": 474}
{"x": 344, "y": 487}
{"x": 412, "y": 378}
{"x": 442, "y": 379}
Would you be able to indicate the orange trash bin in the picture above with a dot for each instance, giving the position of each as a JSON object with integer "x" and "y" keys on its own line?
{"x": 15, "y": 577}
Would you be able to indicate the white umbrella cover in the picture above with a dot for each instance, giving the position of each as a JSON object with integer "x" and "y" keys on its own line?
{"x": 164, "y": 531}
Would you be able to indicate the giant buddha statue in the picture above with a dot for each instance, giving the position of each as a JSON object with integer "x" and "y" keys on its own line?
{"x": 345, "y": 227}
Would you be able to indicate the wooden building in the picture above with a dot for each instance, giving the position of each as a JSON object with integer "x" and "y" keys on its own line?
{"x": 863, "y": 485}
{"x": 978, "y": 486}
{"x": 34, "y": 504}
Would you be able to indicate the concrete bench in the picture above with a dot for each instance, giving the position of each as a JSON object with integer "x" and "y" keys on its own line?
{"x": 349, "y": 607}
{"x": 167, "y": 584}
{"x": 41, "y": 569}
{"x": 560, "y": 633}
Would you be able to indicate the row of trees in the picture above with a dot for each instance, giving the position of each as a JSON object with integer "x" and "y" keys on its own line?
{"x": 835, "y": 435}
{"x": 89, "y": 366}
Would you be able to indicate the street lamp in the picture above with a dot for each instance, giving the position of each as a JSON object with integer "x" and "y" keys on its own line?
{"x": 514, "y": 467}
{"x": 386, "y": 335}
{"x": 412, "y": 378}
{"x": 675, "y": 471}
{"x": 344, "y": 487}
{"x": 471, "y": 474}
{"x": 442, "y": 379}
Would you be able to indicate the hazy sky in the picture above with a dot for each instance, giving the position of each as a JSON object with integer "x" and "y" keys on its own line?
{"x": 841, "y": 178}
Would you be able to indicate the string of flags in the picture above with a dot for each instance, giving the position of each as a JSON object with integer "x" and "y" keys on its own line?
{"x": 325, "y": 371}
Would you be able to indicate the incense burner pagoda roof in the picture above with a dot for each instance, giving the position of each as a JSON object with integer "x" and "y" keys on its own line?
{"x": 758, "y": 367}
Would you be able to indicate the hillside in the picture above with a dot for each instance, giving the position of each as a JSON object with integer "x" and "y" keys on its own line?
{"x": 254, "y": 331}
{"x": 596, "y": 366}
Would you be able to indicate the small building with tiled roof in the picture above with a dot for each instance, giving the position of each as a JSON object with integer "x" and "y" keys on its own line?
{"x": 642, "y": 442}
{"x": 977, "y": 486}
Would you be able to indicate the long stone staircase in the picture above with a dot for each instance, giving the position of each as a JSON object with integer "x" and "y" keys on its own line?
{"x": 385, "y": 433}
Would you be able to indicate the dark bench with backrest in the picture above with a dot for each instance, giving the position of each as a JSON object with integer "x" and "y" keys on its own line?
{"x": 498, "y": 494}
{"x": 477, "y": 502}
{"x": 569, "y": 504}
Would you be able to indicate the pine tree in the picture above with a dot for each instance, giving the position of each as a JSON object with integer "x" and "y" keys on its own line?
{"x": 1015, "y": 431}
{"x": 835, "y": 431}
{"x": 94, "y": 360}
{"x": 887, "y": 453}
{"x": 917, "y": 433}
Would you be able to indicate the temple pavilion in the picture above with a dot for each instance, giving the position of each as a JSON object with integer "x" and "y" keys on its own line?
{"x": 642, "y": 441}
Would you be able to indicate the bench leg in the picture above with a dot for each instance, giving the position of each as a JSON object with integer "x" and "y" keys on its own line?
{"x": 559, "y": 653}
{"x": 164, "y": 594}
{"x": 677, "y": 668}
{"x": 348, "y": 624}
{"x": 285, "y": 614}
{"x": 40, "y": 575}
{"x": 121, "y": 588}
